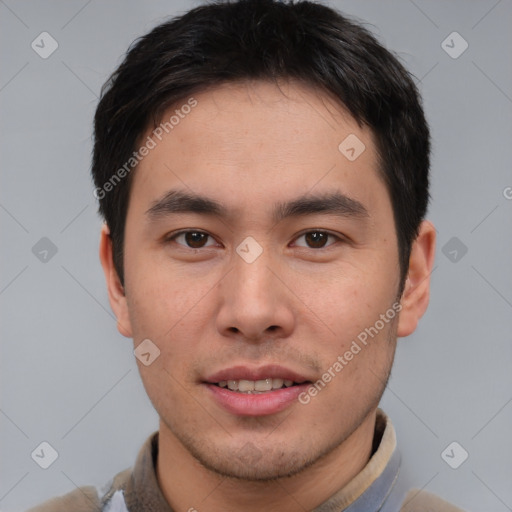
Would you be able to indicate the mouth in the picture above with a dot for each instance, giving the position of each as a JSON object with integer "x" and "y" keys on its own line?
{"x": 243, "y": 391}
{"x": 260, "y": 386}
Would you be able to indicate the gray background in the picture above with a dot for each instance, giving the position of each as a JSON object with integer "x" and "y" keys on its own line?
{"x": 69, "y": 378}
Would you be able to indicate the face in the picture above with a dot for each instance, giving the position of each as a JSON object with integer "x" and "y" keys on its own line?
{"x": 257, "y": 251}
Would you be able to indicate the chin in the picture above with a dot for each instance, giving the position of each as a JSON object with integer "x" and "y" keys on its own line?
{"x": 267, "y": 467}
{"x": 259, "y": 460}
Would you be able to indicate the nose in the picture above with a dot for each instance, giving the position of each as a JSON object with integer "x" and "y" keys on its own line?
{"x": 255, "y": 303}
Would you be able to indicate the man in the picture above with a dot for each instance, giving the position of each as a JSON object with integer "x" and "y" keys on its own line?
{"x": 262, "y": 169}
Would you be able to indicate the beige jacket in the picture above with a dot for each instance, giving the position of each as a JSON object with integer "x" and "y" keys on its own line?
{"x": 376, "y": 488}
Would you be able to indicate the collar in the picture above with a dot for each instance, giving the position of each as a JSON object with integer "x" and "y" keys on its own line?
{"x": 369, "y": 489}
{"x": 366, "y": 492}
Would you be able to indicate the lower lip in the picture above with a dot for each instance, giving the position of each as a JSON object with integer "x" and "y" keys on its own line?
{"x": 258, "y": 404}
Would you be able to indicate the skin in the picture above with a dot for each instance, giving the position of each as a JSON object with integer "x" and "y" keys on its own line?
{"x": 250, "y": 146}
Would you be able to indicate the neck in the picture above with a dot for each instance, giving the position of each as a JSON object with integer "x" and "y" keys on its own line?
{"x": 189, "y": 486}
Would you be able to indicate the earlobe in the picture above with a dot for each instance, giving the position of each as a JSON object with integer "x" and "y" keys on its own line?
{"x": 415, "y": 296}
{"x": 115, "y": 289}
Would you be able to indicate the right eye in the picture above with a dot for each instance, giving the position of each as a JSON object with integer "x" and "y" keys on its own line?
{"x": 192, "y": 239}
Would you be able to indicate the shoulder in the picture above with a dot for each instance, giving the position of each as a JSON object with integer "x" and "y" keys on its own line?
{"x": 85, "y": 499}
{"x": 422, "y": 501}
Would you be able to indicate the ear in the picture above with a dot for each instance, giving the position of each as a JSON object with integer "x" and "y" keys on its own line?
{"x": 416, "y": 293}
{"x": 115, "y": 289}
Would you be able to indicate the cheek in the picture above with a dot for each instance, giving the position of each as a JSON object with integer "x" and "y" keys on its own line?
{"x": 347, "y": 303}
{"x": 160, "y": 298}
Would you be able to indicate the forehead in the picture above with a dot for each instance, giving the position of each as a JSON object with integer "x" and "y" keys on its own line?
{"x": 259, "y": 141}
{"x": 283, "y": 116}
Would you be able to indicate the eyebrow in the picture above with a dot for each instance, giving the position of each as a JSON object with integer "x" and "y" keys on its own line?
{"x": 333, "y": 203}
{"x": 176, "y": 201}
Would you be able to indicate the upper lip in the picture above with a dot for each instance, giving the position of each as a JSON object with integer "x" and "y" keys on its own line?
{"x": 253, "y": 373}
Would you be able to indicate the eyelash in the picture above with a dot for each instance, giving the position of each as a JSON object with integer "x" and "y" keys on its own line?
{"x": 172, "y": 237}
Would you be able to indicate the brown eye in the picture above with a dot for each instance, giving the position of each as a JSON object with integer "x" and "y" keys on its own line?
{"x": 195, "y": 239}
{"x": 316, "y": 239}
{"x": 192, "y": 239}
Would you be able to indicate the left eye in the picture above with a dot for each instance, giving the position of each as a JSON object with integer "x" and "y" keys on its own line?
{"x": 192, "y": 239}
{"x": 316, "y": 239}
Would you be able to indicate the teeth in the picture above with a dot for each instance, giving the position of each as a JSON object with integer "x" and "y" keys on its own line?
{"x": 263, "y": 385}
{"x": 255, "y": 386}
{"x": 233, "y": 385}
{"x": 245, "y": 385}
{"x": 277, "y": 383}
